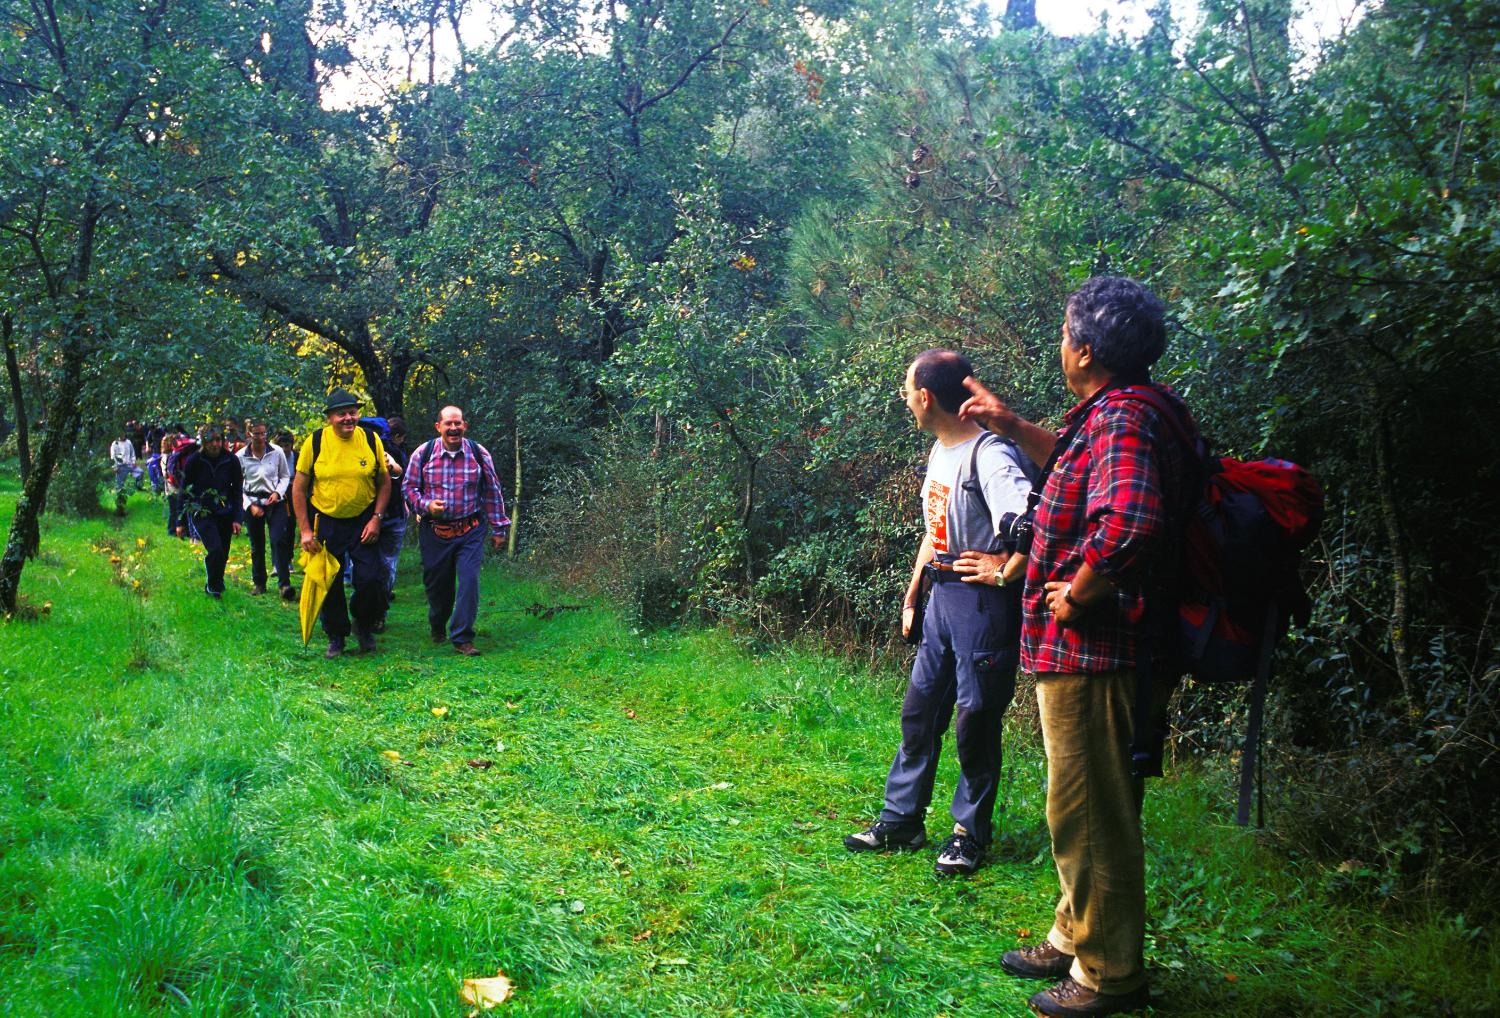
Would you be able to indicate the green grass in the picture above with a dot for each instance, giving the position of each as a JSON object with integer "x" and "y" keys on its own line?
{"x": 197, "y": 817}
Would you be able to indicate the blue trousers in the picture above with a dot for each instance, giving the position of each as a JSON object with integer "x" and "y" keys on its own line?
{"x": 450, "y": 574}
{"x": 965, "y": 673}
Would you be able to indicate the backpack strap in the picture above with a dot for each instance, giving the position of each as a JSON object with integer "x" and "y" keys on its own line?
{"x": 971, "y": 482}
{"x": 317, "y": 449}
{"x": 1063, "y": 442}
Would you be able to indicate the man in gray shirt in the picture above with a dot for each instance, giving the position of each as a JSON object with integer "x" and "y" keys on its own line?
{"x": 268, "y": 479}
{"x": 965, "y": 669}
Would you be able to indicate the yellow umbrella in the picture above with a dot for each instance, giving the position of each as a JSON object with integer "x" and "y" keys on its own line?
{"x": 319, "y": 570}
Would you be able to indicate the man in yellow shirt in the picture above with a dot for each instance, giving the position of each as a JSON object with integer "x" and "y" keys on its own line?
{"x": 340, "y": 490}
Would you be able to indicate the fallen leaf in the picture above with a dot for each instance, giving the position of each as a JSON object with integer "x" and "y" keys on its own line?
{"x": 643, "y": 935}
{"x": 391, "y": 755}
{"x": 486, "y": 993}
{"x": 1024, "y": 933}
{"x": 440, "y": 712}
{"x": 1230, "y": 977}
{"x": 576, "y": 908}
{"x": 482, "y": 764}
{"x": 512, "y": 706}
{"x": 721, "y": 785}
{"x": 630, "y": 713}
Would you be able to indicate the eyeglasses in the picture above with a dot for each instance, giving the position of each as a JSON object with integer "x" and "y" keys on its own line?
{"x": 904, "y": 393}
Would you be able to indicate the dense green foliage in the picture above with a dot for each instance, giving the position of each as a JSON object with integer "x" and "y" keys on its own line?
{"x": 673, "y": 258}
{"x": 198, "y": 816}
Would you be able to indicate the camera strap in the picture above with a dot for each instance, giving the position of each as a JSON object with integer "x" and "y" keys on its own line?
{"x": 1084, "y": 412}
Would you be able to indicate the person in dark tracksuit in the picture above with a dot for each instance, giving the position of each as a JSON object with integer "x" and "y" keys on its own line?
{"x": 965, "y": 668}
{"x": 211, "y": 497}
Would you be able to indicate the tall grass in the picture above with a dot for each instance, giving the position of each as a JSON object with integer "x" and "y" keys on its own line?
{"x": 212, "y": 825}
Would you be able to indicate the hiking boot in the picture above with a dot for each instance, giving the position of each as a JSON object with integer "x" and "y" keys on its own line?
{"x": 335, "y": 649}
{"x": 1039, "y": 961}
{"x": 366, "y": 639}
{"x": 960, "y": 855}
{"x": 439, "y": 636}
{"x": 467, "y": 649}
{"x": 257, "y": 590}
{"x": 288, "y": 593}
{"x": 887, "y": 836}
{"x": 1071, "y": 999}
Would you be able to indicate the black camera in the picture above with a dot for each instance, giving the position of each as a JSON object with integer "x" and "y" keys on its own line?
{"x": 1016, "y": 531}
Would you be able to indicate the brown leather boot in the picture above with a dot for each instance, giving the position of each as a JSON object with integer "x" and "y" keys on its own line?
{"x": 1071, "y": 999}
{"x": 467, "y": 649}
{"x": 1039, "y": 961}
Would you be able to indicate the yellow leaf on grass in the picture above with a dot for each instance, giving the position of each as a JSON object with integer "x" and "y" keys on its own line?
{"x": 439, "y": 712}
{"x": 486, "y": 993}
{"x": 391, "y": 755}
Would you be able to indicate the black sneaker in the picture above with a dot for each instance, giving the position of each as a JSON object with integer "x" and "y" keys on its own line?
{"x": 960, "y": 855}
{"x": 335, "y": 649}
{"x": 365, "y": 638}
{"x": 888, "y": 836}
{"x": 288, "y": 593}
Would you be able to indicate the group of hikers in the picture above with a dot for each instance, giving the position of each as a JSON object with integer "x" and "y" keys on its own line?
{"x": 1041, "y": 550}
{"x": 348, "y": 489}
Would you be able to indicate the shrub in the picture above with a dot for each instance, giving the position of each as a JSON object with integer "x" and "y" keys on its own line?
{"x": 76, "y": 485}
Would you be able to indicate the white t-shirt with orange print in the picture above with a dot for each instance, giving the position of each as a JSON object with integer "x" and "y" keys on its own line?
{"x": 952, "y": 516}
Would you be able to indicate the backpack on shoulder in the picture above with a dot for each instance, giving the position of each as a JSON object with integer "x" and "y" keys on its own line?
{"x": 177, "y": 462}
{"x": 1239, "y": 585}
{"x": 317, "y": 448}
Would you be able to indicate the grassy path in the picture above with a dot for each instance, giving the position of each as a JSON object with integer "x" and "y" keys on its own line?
{"x": 197, "y": 816}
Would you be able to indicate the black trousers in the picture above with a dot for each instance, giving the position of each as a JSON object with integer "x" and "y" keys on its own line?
{"x": 275, "y": 523}
{"x": 341, "y": 538}
{"x": 215, "y": 532}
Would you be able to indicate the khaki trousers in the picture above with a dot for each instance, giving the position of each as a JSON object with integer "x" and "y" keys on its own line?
{"x": 1093, "y": 813}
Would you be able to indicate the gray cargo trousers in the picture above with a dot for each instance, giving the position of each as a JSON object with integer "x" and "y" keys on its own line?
{"x": 964, "y": 673}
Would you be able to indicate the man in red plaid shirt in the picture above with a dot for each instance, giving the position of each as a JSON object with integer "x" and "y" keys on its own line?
{"x": 1108, "y": 531}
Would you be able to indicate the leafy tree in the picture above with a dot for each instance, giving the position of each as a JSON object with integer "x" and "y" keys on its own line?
{"x": 107, "y": 110}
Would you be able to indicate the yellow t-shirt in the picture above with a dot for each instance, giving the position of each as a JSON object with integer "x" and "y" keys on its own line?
{"x": 346, "y": 473}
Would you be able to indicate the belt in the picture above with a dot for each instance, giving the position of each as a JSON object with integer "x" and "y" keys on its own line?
{"x": 457, "y": 528}
{"x": 942, "y": 572}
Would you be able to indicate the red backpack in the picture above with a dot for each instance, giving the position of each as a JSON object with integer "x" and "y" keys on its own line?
{"x": 1240, "y": 585}
{"x": 178, "y": 459}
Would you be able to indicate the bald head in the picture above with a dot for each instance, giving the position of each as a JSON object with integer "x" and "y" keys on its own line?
{"x": 451, "y": 427}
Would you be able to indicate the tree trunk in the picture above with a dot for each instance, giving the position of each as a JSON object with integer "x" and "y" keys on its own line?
{"x": 18, "y": 397}
{"x": 1385, "y": 487}
{"x": 1020, "y": 15}
{"x": 515, "y": 500}
{"x": 25, "y": 528}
